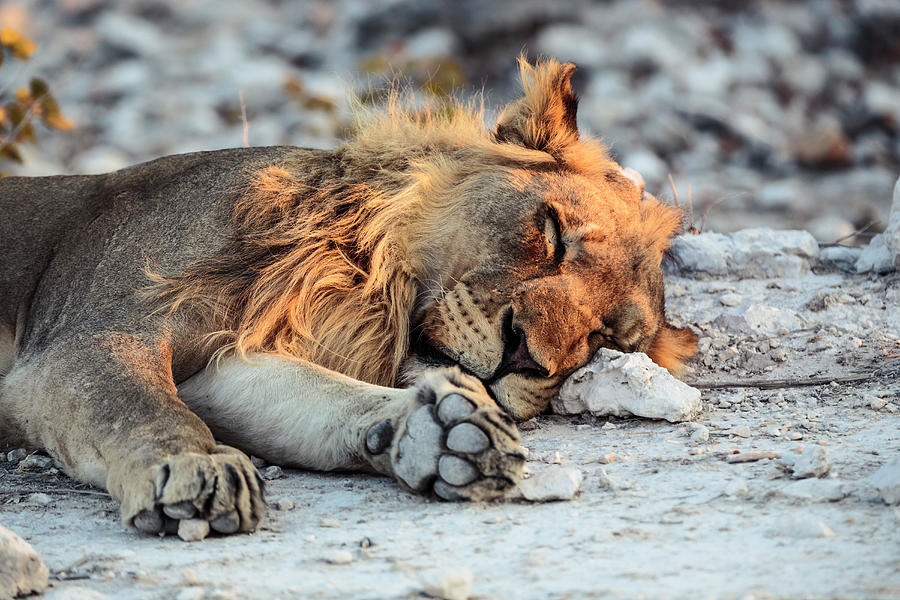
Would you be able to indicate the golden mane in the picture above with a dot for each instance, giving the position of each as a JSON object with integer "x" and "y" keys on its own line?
{"x": 327, "y": 267}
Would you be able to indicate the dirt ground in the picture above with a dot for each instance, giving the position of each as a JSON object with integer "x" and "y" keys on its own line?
{"x": 660, "y": 514}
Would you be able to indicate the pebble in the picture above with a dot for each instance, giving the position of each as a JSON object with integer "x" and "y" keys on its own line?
{"x": 273, "y": 472}
{"x": 731, "y": 299}
{"x": 282, "y": 504}
{"x": 338, "y": 557}
{"x": 551, "y": 482}
{"x": 698, "y": 433}
{"x": 331, "y": 523}
{"x": 455, "y": 584}
{"x": 40, "y": 498}
{"x": 812, "y": 462}
{"x": 193, "y": 530}
{"x": 742, "y": 431}
{"x": 22, "y": 571}
{"x": 35, "y": 462}
{"x": 887, "y": 481}
{"x": 16, "y": 455}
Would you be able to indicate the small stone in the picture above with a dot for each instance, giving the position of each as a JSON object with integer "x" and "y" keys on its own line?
{"x": 40, "y": 498}
{"x": 282, "y": 504}
{"x": 697, "y": 432}
{"x": 273, "y": 472}
{"x": 449, "y": 585}
{"x": 812, "y": 462}
{"x": 338, "y": 557}
{"x": 887, "y": 481}
{"x": 330, "y": 523}
{"x": 877, "y": 403}
{"x": 731, "y": 299}
{"x": 35, "y": 462}
{"x": 742, "y": 431}
{"x": 259, "y": 463}
{"x": 22, "y": 571}
{"x": 553, "y": 482}
{"x": 193, "y": 530}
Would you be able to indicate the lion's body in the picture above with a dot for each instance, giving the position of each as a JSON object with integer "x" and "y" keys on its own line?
{"x": 319, "y": 281}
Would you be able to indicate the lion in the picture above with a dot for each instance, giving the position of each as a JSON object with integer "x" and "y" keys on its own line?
{"x": 394, "y": 305}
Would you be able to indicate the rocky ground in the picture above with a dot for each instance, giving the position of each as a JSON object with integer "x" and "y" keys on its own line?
{"x": 782, "y": 114}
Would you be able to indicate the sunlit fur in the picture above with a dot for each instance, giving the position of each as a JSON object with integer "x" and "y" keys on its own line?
{"x": 327, "y": 260}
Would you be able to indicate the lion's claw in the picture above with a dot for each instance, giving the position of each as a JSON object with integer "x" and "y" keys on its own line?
{"x": 222, "y": 488}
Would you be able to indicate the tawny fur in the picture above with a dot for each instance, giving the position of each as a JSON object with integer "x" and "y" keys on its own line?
{"x": 329, "y": 272}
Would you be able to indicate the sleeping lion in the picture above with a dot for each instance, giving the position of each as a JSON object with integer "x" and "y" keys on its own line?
{"x": 392, "y": 306}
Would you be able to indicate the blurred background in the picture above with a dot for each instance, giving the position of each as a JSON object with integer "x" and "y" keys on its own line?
{"x": 783, "y": 114}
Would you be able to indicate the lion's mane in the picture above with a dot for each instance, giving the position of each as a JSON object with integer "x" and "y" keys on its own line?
{"x": 326, "y": 258}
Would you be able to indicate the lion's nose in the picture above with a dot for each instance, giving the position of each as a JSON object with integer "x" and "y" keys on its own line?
{"x": 624, "y": 325}
{"x": 516, "y": 356}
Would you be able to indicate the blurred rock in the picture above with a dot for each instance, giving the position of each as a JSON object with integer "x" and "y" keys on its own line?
{"x": 747, "y": 253}
{"x": 883, "y": 252}
{"x": 758, "y": 319}
{"x": 830, "y": 228}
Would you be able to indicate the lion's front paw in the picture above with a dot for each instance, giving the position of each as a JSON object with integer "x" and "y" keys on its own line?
{"x": 223, "y": 488}
{"x": 457, "y": 443}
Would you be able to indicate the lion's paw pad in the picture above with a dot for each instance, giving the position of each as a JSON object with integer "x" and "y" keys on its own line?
{"x": 460, "y": 449}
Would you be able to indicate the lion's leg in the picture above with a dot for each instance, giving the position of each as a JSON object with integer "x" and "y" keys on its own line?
{"x": 106, "y": 409}
{"x": 445, "y": 434}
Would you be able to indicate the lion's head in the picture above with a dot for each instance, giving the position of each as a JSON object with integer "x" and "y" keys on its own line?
{"x": 537, "y": 266}
{"x": 427, "y": 239}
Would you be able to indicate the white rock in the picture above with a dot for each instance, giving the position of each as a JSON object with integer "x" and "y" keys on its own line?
{"x": 749, "y": 253}
{"x": 812, "y": 462}
{"x": 434, "y": 42}
{"x": 883, "y": 252}
{"x": 551, "y": 482}
{"x": 620, "y": 384}
{"x": 131, "y": 33}
{"x": 40, "y": 498}
{"x": 21, "y": 569}
{"x": 273, "y": 472}
{"x": 698, "y": 433}
{"x": 453, "y": 584}
{"x": 731, "y": 299}
{"x": 338, "y": 557}
{"x": 758, "y": 318}
{"x": 818, "y": 490}
{"x": 844, "y": 257}
{"x": 887, "y": 481}
{"x": 193, "y": 530}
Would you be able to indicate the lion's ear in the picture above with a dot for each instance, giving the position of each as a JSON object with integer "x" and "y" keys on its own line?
{"x": 544, "y": 119}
